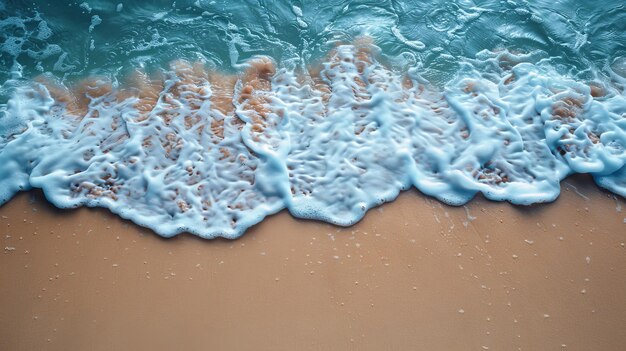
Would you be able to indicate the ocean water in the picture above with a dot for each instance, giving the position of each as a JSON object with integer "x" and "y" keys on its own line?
{"x": 207, "y": 116}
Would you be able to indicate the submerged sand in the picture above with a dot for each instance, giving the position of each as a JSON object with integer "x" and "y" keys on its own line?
{"x": 413, "y": 275}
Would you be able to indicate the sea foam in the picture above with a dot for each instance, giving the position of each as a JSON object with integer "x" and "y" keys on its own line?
{"x": 198, "y": 151}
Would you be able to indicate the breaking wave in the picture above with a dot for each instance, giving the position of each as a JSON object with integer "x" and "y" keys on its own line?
{"x": 192, "y": 148}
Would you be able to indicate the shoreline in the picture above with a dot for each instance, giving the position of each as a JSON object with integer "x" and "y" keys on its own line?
{"x": 174, "y": 154}
{"x": 413, "y": 274}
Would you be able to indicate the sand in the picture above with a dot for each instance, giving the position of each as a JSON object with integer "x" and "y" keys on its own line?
{"x": 413, "y": 275}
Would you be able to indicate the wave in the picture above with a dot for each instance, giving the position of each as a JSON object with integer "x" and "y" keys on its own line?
{"x": 189, "y": 149}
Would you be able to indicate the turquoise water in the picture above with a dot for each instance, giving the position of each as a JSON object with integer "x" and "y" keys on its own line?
{"x": 73, "y": 38}
{"x": 333, "y": 107}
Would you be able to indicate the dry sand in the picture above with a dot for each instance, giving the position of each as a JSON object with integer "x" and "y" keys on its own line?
{"x": 413, "y": 275}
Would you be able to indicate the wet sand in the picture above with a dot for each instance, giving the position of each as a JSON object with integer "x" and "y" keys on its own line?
{"x": 413, "y": 275}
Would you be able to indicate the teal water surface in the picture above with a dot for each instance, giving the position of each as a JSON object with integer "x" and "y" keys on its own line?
{"x": 72, "y": 38}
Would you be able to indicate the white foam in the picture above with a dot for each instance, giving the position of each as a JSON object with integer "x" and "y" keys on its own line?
{"x": 14, "y": 43}
{"x": 328, "y": 151}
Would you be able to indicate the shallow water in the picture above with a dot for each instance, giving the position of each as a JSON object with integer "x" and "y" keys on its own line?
{"x": 207, "y": 116}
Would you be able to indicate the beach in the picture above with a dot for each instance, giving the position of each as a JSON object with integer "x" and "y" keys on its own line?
{"x": 312, "y": 175}
{"x": 414, "y": 274}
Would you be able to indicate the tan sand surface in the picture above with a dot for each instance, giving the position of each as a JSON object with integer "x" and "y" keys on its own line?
{"x": 413, "y": 275}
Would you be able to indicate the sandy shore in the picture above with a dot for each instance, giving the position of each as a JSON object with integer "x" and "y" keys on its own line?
{"x": 413, "y": 275}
